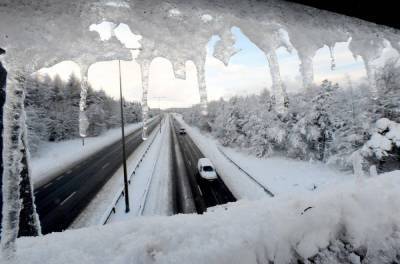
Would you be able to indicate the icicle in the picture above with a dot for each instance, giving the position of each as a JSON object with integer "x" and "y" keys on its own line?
{"x": 179, "y": 68}
{"x": 277, "y": 90}
{"x": 12, "y": 157}
{"x": 201, "y": 80}
{"x": 224, "y": 48}
{"x": 306, "y": 69}
{"x": 371, "y": 74}
{"x": 83, "y": 120}
{"x": 331, "y": 51}
{"x": 145, "y": 67}
{"x": 29, "y": 223}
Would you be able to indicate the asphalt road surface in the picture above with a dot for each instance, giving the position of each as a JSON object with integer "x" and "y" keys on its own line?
{"x": 205, "y": 193}
{"x": 62, "y": 199}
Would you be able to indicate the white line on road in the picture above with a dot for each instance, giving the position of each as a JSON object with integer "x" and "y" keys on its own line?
{"x": 66, "y": 199}
{"x": 68, "y": 172}
{"x": 106, "y": 165}
{"x": 201, "y": 193}
{"x": 59, "y": 178}
{"x": 47, "y": 185}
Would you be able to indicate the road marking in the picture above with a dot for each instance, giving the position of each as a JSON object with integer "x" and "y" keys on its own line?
{"x": 66, "y": 199}
{"x": 105, "y": 166}
{"x": 201, "y": 193}
{"x": 68, "y": 172}
{"x": 47, "y": 185}
{"x": 59, "y": 178}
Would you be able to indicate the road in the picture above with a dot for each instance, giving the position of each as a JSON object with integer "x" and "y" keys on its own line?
{"x": 205, "y": 193}
{"x": 61, "y": 200}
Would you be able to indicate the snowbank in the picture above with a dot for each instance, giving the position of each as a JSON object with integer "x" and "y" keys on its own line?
{"x": 288, "y": 176}
{"x": 361, "y": 215}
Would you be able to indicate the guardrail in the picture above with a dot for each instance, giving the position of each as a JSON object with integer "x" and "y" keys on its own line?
{"x": 112, "y": 208}
{"x": 245, "y": 172}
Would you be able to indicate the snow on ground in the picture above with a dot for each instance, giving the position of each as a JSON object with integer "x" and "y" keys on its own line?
{"x": 160, "y": 196}
{"x": 147, "y": 193}
{"x": 55, "y": 157}
{"x": 283, "y": 175}
{"x": 99, "y": 206}
{"x": 280, "y": 175}
{"x": 364, "y": 214}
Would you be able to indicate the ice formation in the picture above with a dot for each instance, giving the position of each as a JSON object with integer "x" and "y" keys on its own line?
{"x": 269, "y": 42}
{"x": 12, "y": 157}
{"x": 42, "y": 33}
{"x": 224, "y": 48}
{"x": 83, "y": 119}
{"x": 179, "y": 32}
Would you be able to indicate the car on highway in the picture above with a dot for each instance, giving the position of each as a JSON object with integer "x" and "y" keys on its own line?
{"x": 182, "y": 131}
{"x": 206, "y": 169}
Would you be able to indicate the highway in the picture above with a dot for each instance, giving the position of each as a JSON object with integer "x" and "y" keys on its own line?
{"x": 205, "y": 193}
{"x": 61, "y": 200}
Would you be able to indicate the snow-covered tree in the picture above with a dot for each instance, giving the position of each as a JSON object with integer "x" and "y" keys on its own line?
{"x": 383, "y": 148}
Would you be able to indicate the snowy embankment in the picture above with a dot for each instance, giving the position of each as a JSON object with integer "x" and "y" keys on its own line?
{"x": 288, "y": 176}
{"x": 280, "y": 175}
{"x": 54, "y": 157}
{"x": 357, "y": 218}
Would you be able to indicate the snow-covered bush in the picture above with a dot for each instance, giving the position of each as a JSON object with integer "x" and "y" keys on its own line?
{"x": 383, "y": 148}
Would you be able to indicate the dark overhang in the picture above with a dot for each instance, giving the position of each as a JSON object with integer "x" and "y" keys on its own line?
{"x": 380, "y": 12}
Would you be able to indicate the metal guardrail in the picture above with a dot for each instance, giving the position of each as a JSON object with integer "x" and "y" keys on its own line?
{"x": 245, "y": 172}
{"x": 112, "y": 208}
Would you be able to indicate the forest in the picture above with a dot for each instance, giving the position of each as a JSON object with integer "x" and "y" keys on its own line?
{"x": 52, "y": 110}
{"x": 325, "y": 122}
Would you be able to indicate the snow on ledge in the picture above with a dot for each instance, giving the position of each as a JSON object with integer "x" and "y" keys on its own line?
{"x": 363, "y": 214}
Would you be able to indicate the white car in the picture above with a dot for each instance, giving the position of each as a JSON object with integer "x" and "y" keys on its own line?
{"x": 206, "y": 169}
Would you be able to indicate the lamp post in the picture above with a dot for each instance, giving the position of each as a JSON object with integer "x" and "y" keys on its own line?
{"x": 159, "y": 108}
{"x": 123, "y": 142}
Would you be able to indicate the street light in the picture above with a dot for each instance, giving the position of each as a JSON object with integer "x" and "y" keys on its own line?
{"x": 123, "y": 142}
{"x": 159, "y": 108}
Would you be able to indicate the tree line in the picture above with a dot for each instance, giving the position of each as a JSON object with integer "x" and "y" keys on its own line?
{"x": 52, "y": 110}
{"x": 326, "y": 122}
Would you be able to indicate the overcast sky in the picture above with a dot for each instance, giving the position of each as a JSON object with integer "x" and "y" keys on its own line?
{"x": 247, "y": 72}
